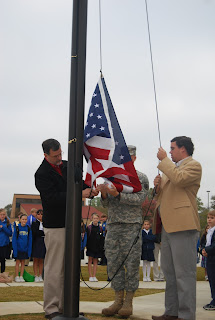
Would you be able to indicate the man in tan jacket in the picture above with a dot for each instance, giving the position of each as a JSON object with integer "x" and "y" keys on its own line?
{"x": 176, "y": 209}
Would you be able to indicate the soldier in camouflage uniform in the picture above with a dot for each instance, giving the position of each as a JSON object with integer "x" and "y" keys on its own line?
{"x": 125, "y": 218}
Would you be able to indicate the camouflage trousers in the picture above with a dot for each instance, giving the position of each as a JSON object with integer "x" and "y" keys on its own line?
{"x": 119, "y": 239}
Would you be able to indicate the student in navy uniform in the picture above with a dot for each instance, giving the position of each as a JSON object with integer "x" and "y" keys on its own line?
{"x": 5, "y": 233}
{"x": 94, "y": 245}
{"x": 22, "y": 246}
{"x": 38, "y": 248}
{"x": 148, "y": 240}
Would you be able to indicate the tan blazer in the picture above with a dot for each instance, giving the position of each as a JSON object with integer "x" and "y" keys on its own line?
{"x": 177, "y": 195}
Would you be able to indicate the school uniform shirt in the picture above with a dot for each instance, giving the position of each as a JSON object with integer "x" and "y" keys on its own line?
{"x": 24, "y": 241}
{"x": 5, "y": 233}
{"x": 209, "y": 236}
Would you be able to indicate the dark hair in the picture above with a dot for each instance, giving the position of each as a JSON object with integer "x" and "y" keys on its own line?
{"x": 39, "y": 211}
{"x": 83, "y": 227}
{"x": 23, "y": 215}
{"x": 185, "y": 142}
{"x": 49, "y": 144}
{"x": 19, "y": 213}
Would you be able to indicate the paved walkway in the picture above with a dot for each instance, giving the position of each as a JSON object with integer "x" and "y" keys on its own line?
{"x": 144, "y": 306}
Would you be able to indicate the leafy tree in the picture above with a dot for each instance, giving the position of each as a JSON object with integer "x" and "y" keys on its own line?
{"x": 96, "y": 202}
{"x": 148, "y": 207}
{"x": 212, "y": 202}
{"x": 8, "y": 209}
{"x": 203, "y": 211}
{"x": 200, "y": 205}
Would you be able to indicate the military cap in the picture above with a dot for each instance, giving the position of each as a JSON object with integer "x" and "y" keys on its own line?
{"x": 132, "y": 150}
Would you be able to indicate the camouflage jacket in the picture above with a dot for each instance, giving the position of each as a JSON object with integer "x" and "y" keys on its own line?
{"x": 127, "y": 208}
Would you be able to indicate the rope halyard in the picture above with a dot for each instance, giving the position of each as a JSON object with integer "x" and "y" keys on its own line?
{"x": 100, "y": 35}
{"x": 153, "y": 75}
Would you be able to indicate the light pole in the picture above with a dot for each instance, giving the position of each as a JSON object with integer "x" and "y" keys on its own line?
{"x": 208, "y": 199}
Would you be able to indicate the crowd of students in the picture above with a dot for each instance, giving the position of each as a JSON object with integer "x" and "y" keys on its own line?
{"x": 27, "y": 242}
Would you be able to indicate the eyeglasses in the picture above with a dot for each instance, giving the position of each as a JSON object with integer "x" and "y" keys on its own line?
{"x": 40, "y": 214}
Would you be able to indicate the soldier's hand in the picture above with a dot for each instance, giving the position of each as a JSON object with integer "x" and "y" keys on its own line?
{"x": 103, "y": 189}
{"x": 112, "y": 190}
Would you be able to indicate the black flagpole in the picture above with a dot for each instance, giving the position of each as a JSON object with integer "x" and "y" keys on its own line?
{"x": 75, "y": 162}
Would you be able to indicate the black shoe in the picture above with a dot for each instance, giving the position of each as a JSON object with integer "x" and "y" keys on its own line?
{"x": 209, "y": 307}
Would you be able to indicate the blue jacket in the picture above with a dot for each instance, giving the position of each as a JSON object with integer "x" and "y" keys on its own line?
{"x": 148, "y": 245}
{"x": 104, "y": 226}
{"x": 24, "y": 241}
{"x": 5, "y": 233}
{"x": 30, "y": 220}
{"x": 84, "y": 241}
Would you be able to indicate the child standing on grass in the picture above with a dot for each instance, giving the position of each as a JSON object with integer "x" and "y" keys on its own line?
{"x": 148, "y": 240}
{"x": 38, "y": 248}
{"x": 94, "y": 245}
{"x": 22, "y": 245}
{"x": 5, "y": 233}
{"x": 209, "y": 252}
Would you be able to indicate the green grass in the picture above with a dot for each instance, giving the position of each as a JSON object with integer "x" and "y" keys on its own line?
{"x": 102, "y": 273}
{"x": 36, "y": 294}
{"x": 21, "y": 293}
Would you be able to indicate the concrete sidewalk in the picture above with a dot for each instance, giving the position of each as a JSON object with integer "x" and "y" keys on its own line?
{"x": 144, "y": 306}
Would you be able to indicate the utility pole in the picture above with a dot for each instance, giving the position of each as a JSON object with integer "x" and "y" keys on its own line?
{"x": 208, "y": 200}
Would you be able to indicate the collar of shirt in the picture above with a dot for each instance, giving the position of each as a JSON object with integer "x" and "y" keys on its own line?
{"x": 209, "y": 236}
{"x": 147, "y": 231}
{"x": 180, "y": 162}
{"x": 56, "y": 168}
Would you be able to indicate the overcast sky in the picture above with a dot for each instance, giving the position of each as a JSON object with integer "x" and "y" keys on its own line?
{"x": 35, "y": 78}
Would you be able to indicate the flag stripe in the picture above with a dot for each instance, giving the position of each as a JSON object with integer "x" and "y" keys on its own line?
{"x": 104, "y": 146}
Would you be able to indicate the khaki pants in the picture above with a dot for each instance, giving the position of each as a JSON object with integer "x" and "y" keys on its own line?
{"x": 54, "y": 270}
{"x": 178, "y": 260}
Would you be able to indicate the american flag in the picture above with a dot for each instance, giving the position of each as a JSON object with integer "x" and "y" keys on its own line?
{"x": 104, "y": 146}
